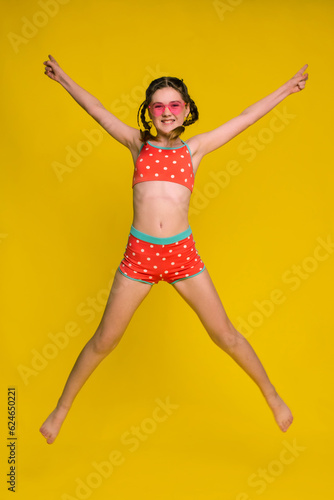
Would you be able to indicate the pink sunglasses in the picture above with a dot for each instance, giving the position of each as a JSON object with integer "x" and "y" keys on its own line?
{"x": 175, "y": 107}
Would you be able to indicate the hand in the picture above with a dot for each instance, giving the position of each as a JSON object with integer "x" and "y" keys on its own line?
{"x": 298, "y": 81}
{"x": 53, "y": 70}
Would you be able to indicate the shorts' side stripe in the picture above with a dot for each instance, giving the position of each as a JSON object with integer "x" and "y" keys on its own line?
{"x": 187, "y": 277}
{"x": 134, "y": 279}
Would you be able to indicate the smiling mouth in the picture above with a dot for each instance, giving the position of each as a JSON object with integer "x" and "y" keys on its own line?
{"x": 168, "y": 121}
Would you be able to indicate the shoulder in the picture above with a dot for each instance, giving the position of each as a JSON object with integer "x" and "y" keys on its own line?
{"x": 193, "y": 144}
{"x": 136, "y": 145}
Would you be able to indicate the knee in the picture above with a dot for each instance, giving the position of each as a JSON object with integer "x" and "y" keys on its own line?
{"x": 226, "y": 337}
{"x": 104, "y": 341}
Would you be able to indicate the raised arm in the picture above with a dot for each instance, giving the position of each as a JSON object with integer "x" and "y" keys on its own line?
{"x": 123, "y": 133}
{"x": 209, "y": 141}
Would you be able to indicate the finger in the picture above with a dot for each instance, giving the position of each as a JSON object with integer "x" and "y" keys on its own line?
{"x": 49, "y": 65}
{"x": 302, "y": 80}
{"x": 301, "y": 71}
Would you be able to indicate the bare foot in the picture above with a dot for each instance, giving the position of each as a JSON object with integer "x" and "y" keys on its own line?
{"x": 53, "y": 423}
{"x": 281, "y": 411}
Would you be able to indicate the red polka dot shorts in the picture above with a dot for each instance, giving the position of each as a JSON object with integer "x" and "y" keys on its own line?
{"x": 150, "y": 259}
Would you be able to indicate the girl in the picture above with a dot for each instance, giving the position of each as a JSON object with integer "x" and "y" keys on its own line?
{"x": 160, "y": 245}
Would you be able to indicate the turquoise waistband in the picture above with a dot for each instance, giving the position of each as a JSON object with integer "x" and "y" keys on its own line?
{"x": 160, "y": 241}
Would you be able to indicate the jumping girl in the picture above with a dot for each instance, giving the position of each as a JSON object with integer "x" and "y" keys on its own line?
{"x": 160, "y": 246}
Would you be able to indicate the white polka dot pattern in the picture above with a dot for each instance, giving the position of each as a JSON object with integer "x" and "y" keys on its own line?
{"x": 163, "y": 164}
{"x": 169, "y": 262}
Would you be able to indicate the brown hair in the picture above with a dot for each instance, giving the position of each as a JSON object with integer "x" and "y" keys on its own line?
{"x": 160, "y": 83}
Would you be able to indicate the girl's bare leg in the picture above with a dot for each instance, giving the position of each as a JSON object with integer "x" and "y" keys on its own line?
{"x": 199, "y": 292}
{"x": 124, "y": 298}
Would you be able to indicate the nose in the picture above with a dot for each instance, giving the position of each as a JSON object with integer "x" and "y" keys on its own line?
{"x": 168, "y": 110}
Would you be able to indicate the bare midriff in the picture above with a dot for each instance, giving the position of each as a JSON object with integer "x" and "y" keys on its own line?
{"x": 160, "y": 208}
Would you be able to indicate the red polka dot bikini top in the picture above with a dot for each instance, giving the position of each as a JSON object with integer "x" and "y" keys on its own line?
{"x": 155, "y": 163}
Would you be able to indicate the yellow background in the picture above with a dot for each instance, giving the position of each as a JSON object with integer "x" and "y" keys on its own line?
{"x": 62, "y": 240}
